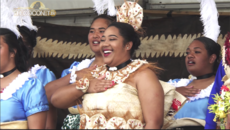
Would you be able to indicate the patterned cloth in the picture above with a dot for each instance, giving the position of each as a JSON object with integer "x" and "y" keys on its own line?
{"x": 71, "y": 121}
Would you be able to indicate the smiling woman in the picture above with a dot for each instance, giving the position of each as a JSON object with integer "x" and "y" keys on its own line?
{"x": 76, "y": 71}
{"x": 130, "y": 102}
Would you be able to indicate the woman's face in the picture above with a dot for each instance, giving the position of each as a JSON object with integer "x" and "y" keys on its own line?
{"x": 96, "y": 31}
{"x": 6, "y": 57}
{"x": 197, "y": 61}
{"x": 112, "y": 47}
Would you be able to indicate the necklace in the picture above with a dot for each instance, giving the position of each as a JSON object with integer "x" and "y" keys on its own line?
{"x": 205, "y": 76}
{"x": 119, "y": 66}
{"x": 7, "y": 73}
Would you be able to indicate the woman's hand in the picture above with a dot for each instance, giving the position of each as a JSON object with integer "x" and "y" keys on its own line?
{"x": 188, "y": 91}
{"x": 99, "y": 85}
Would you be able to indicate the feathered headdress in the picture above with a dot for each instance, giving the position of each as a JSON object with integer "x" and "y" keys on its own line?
{"x": 101, "y": 5}
{"x": 209, "y": 18}
{"x": 6, "y": 19}
{"x": 22, "y": 19}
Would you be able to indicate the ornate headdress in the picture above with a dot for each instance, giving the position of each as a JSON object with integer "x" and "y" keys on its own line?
{"x": 209, "y": 18}
{"x": 7, "y": 24}
{"x": 131, "y": 13}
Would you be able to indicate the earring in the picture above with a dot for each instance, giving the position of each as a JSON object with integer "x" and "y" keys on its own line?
{"x": 127, "y": 47}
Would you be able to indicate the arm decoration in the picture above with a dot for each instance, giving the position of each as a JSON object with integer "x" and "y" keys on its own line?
{"x": 83, "y": 85}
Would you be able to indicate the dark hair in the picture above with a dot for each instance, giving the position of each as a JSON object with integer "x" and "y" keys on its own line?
{"x": 212, "y": 48}
{"x": 28, "y": 38}
{"x": 104, "y": 16}
{"x": 129, "y": 34}
{"x": 13, "y": 43}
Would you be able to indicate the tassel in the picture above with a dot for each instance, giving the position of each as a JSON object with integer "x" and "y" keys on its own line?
{"x": 209, "y": 18}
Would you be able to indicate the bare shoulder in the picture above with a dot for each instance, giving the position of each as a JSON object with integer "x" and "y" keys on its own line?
{"x": 145, "y": 73}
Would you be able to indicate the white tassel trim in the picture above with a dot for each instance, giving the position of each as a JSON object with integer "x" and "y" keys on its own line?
{"x": 35, "y": 68}
{"x": 15, "y": 85}
{"x": 84, "y": 64}
{"x": 203, "y": 93}
{"x": 73, "y": 75}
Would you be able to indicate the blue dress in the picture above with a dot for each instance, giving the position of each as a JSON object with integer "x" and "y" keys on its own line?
{"x": 210, "y": 124}
{"x": 24, "y": 97}
{"x": 190, "y": 108}
{"x": 43, "y": 74}
{"x": 80, "y": 65}
{"x": 66, "y": 71}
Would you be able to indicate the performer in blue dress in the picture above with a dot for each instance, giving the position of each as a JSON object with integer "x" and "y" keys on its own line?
{"x": 28, "y": 32}
{"x": 78, "y": 69}
{"x": 24, "y": 103}
{"x": 201, "y": 61}
{"x": 29, "y": 39}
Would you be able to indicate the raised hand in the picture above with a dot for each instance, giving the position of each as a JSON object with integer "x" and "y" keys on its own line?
{"x": 188, "y": 91}
{"x": 99, "y": 85}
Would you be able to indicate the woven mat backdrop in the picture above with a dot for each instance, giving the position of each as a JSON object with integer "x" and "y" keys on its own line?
{"x": 166, "y": 42}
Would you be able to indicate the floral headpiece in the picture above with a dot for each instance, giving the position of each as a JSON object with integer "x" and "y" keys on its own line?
{"x": 131, "y": 13}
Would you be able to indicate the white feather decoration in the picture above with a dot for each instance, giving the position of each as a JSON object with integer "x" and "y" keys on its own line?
{"x": 209, "y": 17}
{"x": 6, "y": 18}
{"x": 101, "y": 5}
{"x": 111, "y": 8}
{"x": 25, "y": 19}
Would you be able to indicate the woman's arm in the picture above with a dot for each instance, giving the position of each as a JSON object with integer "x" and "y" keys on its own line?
{"x": 37, "y": 120}
{"x": 64, "y": 81}
{"x": 67, "y": 96}
{"x": 51, "y": 87}
{"x": 151, "y": 96}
